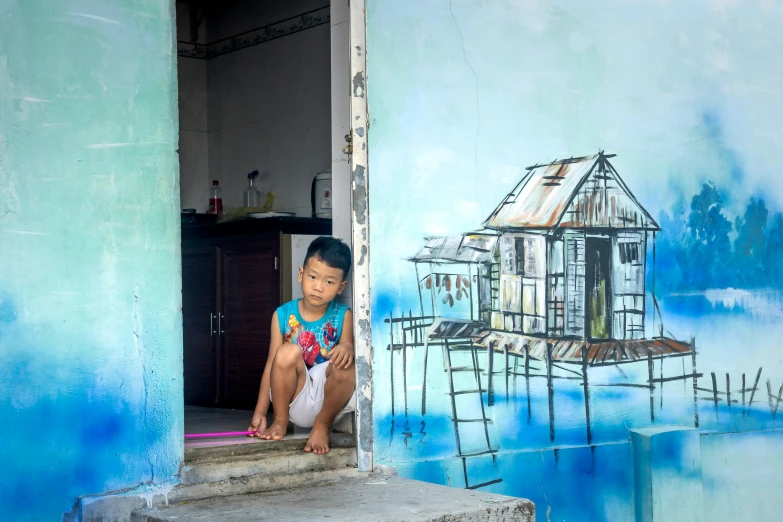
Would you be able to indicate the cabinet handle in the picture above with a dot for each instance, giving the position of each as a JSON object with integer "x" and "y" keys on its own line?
{"x": 276, "y": 262}
{"x": 211, "y": 326}
{"x": 220, "y": 328}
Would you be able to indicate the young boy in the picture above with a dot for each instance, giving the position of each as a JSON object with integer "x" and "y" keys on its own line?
{"x": 309, "y": 374}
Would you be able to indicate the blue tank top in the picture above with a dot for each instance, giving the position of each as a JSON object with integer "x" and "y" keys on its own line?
{"x": 316, "y": 338}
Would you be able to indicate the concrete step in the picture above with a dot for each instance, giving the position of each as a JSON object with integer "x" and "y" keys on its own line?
{"x": 260, "y": 466}
{"x": 372, "y": 498}
{"x": 240, "y": 469}
{"x": 210, "y": 464}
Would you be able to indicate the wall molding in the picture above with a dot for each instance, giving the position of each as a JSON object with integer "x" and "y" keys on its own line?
{"x": 254, "y": 37}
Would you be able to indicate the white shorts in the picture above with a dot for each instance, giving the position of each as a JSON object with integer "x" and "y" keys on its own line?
{"x": 308, "y": 403}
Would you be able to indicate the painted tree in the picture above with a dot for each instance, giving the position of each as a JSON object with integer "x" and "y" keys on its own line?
{"x": 773, "y": 255}
{"x": 709, "y": 256}
{"x": 670, "y": 253}
{"x": 750, "y": 245}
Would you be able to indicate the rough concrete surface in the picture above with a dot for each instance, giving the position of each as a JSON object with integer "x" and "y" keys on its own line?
{"x": 373, "y": 499}
{"x": 261, "y": 448}
{"x": 226, "y": 471}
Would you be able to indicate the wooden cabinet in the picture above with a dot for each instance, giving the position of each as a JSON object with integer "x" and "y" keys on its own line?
{"x": 199, "y": 325}
{"x": 251, "y": 294}
{"x": 232, "y": 283}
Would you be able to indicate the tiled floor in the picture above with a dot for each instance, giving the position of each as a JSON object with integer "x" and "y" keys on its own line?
{"x": 212, "y": 420}
{"x": 209, "y": 420}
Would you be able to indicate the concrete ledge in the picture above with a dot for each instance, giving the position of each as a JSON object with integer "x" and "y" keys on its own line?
{"x": 667, "y": 474}
{"x": 267, "y": 482}
{"x": 371, "y": 499}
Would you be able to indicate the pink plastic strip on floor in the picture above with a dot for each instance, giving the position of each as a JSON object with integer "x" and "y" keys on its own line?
{"x": 218, "y": 434}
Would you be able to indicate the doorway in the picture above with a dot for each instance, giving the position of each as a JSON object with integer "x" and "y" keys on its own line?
{"x": 263, "y": 87}
{"x": 598, "y": 282}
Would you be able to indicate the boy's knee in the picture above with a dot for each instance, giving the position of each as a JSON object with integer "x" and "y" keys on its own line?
{"x": 288, "y": 355}
{"x": 343, "y": 375}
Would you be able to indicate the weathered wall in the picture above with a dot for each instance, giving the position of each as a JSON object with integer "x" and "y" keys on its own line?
{"x": 267, "y": 106}
{"x": 270, "y": 105}
{"x": 193, "y": 124}
{"x": 464, "y": 95}
{"x": 90, "y": 322}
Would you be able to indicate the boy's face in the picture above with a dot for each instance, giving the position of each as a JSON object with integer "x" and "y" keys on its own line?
{"x": 320, "y": 282}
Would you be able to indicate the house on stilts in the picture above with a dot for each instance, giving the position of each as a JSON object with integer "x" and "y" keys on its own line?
{"x": 562, "y": 259}
{"x": 556, "y": 275}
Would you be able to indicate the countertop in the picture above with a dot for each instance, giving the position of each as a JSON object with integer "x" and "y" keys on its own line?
{"x": 250, "y": 226}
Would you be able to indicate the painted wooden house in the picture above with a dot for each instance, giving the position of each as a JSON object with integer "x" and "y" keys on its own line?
{"x": 563, "y": 255}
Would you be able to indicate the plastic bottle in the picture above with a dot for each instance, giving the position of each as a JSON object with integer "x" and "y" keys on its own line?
{"x": 215, "y": 198}
{"x": 252, "y": 195}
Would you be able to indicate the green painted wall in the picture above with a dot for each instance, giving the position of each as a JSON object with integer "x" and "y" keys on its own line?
{"x": 90, "y": 300}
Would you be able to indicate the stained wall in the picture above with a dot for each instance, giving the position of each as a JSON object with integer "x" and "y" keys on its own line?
{"x": 90, "y": 284}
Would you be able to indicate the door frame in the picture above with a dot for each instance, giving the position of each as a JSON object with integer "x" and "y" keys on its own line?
{"x": 606, "y": 245}
{"x": 362, "y": 315}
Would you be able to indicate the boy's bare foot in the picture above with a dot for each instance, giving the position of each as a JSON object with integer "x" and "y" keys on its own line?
{"x": 318, "y": 442}
{"x": 276, "y": 431}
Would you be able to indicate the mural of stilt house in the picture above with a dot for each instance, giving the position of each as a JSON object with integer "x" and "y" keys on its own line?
{"x": 563, "y": 255}
{"x": 572, "y": 253}
{"x": 555, "y": 276}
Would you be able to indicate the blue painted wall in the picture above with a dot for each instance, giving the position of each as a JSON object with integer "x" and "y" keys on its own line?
{"x": 463, "y": 96}
{"x": 740, "y": 472}
{"x": 90, "y": 320}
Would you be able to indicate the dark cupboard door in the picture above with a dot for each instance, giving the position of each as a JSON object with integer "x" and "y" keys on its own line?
{"x": 199, "y": 322}
{"x": 250, "y": 295}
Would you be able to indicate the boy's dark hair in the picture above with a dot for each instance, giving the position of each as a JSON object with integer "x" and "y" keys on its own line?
{"x": 331, "y": 251}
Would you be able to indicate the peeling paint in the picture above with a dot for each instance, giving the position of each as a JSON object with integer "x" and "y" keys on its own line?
{"x": 364, "y": 370}
{"x": 365, "y": 330}
{"x": 358, "y": 84}
{"x": 360, "y": 195}
{"x": 360, "y": 131}
{"x": 363, "y": 254}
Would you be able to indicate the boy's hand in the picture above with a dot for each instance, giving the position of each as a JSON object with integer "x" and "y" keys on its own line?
{"x": 342, "y": 356}
{"x": 257, "y": 424}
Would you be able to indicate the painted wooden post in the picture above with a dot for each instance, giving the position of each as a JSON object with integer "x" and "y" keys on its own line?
{"x": 391, "y": 361}
{"x": 695, "y": 384}
{"x": 527, "y": 379}
{"x": 550, "y": 391}
{"x": 505, "y": 365}
{"x": 586, "y": 387}
{"x": 490, "y": 376}
{"x": 404, "y": 364}
{"x": 650, "y": 370}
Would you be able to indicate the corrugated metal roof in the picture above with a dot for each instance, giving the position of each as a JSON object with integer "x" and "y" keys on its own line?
{"x": 469, "y": 248}
{"x": 581, "y": 192}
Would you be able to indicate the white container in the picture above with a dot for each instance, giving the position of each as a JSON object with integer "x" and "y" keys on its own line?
{"x": 321, "y": 195}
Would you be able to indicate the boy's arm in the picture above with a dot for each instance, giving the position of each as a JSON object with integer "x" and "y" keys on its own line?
{"x": 343, "y": 353}
{"x": 262, "y": 405}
